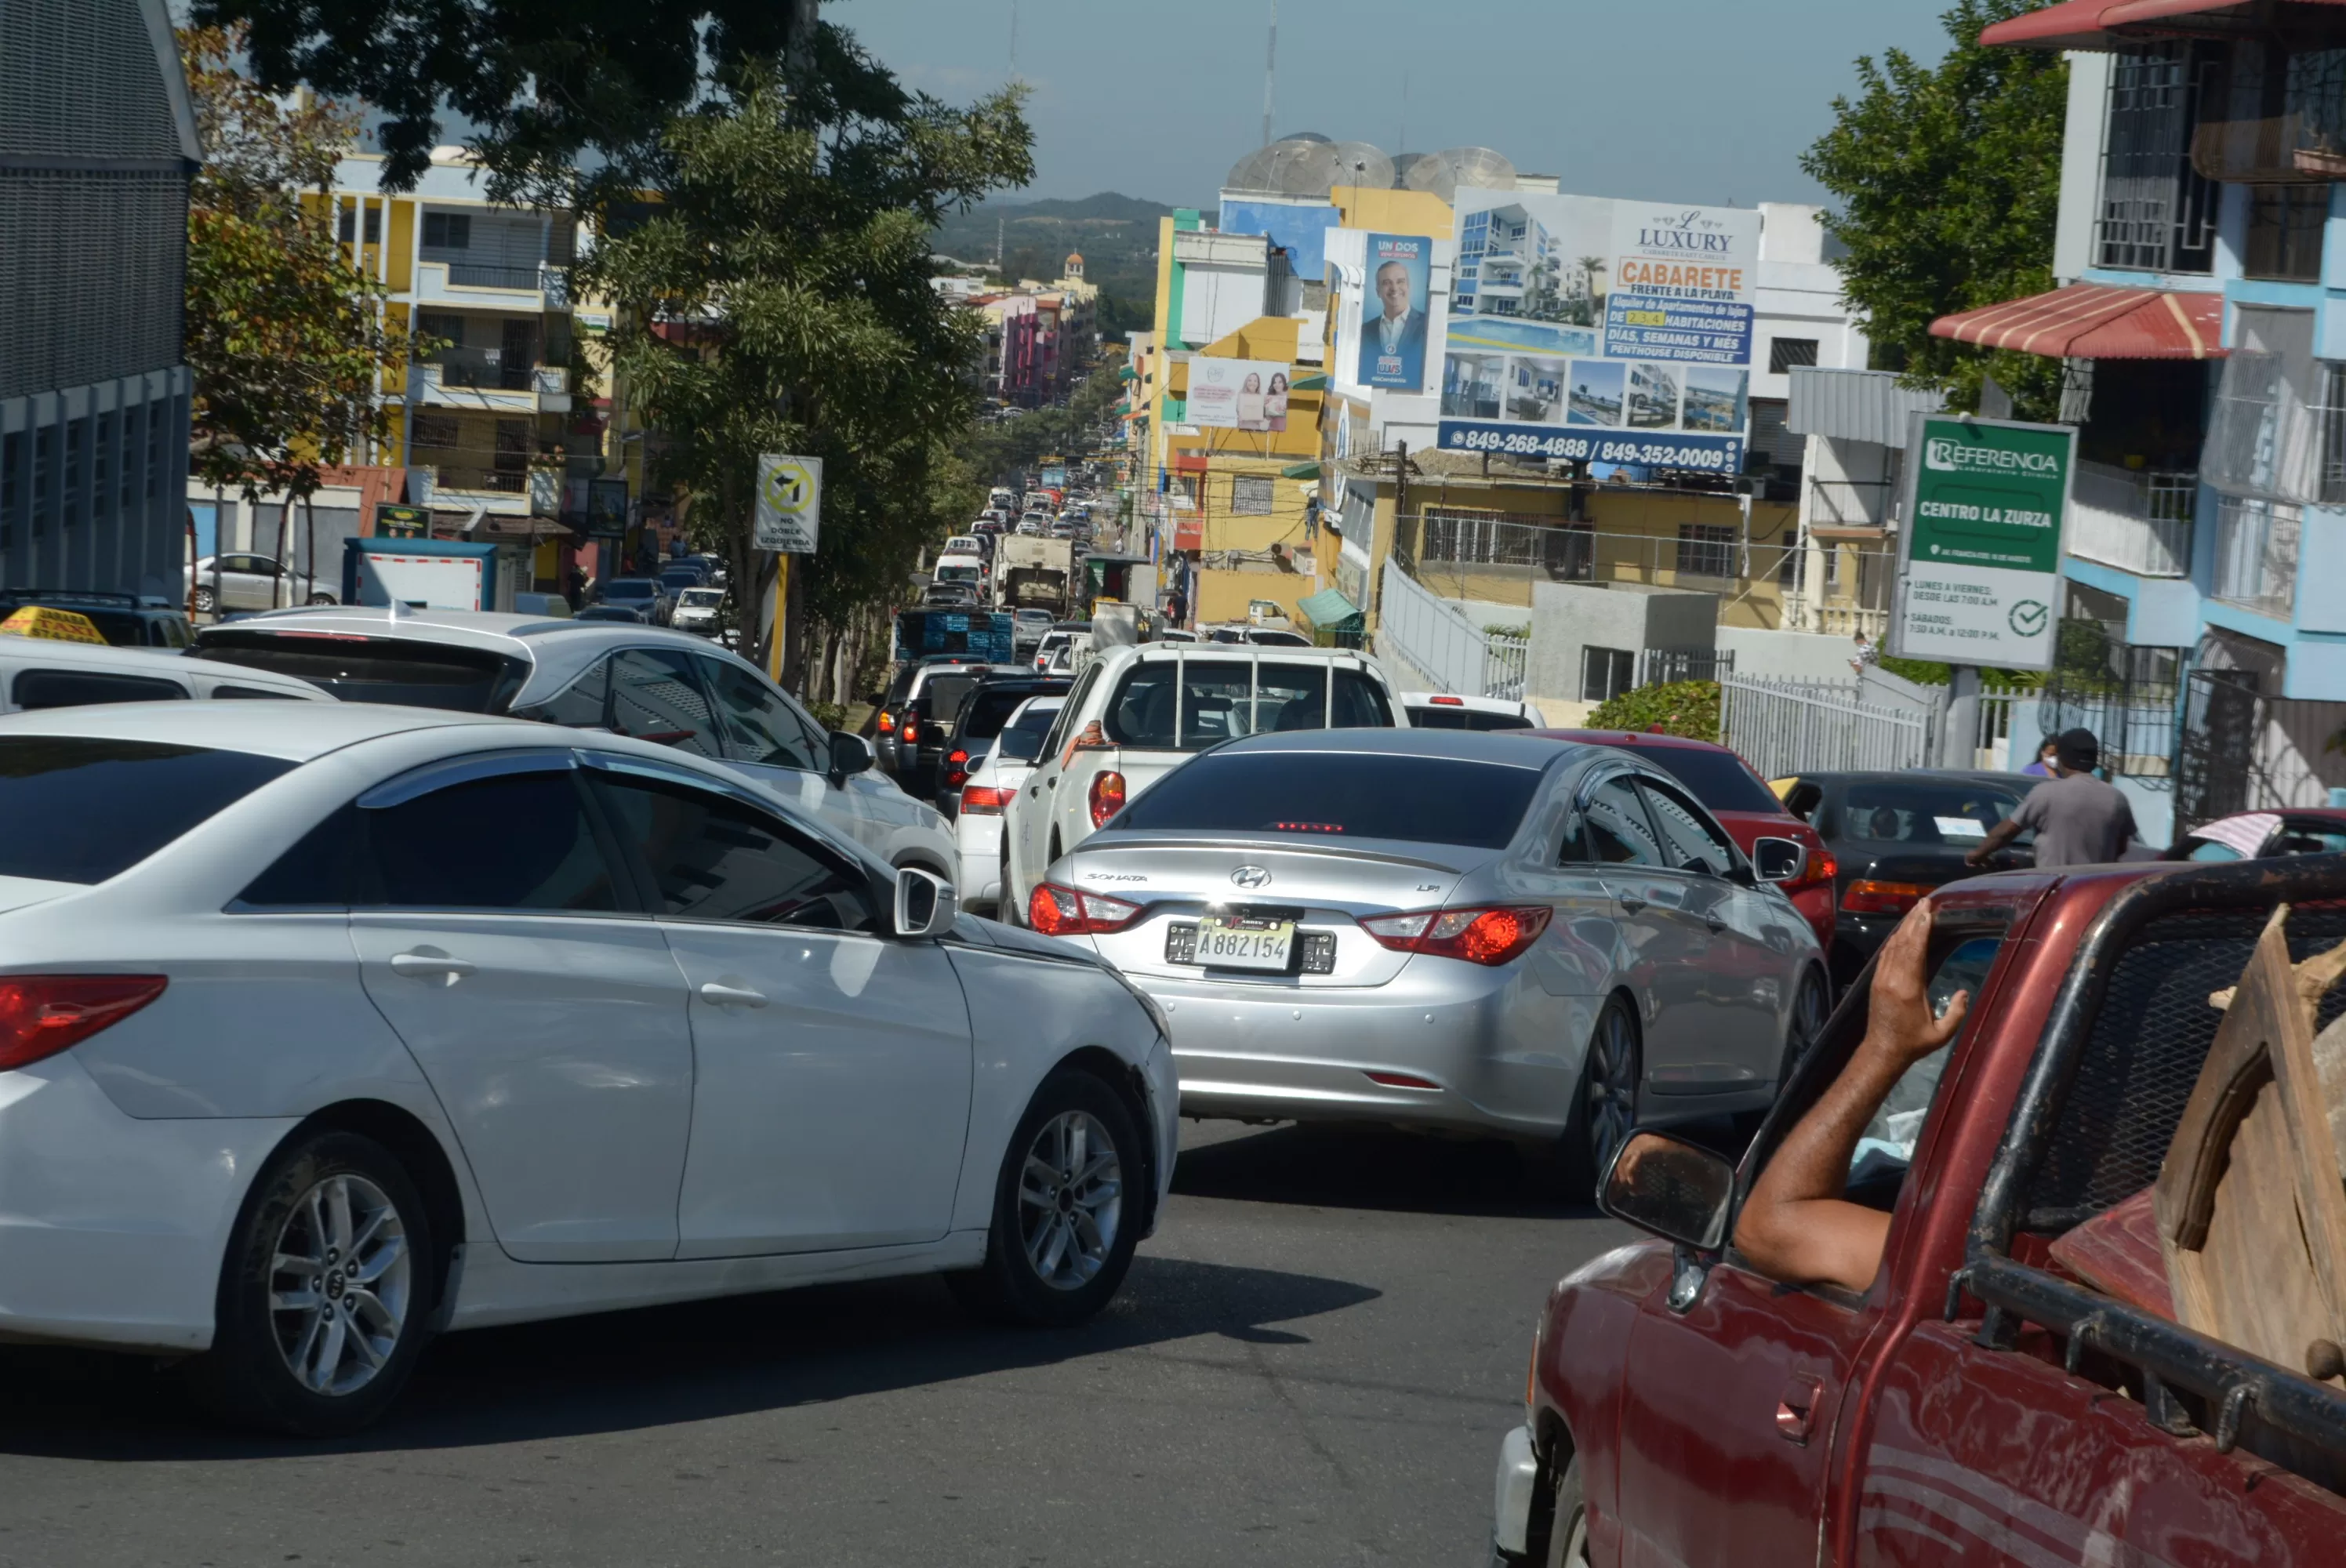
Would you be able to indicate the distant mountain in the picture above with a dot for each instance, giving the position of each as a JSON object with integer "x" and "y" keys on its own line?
{"x": 1116, "y": 233}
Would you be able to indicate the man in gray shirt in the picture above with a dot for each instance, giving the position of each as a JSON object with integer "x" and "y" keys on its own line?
{"x": 2079, "y": 819}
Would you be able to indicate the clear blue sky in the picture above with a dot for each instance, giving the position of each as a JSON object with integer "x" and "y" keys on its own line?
{"x": 1672, "y": 100}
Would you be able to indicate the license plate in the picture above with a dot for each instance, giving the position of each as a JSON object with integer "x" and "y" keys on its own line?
{"x": 1242, "y": 944}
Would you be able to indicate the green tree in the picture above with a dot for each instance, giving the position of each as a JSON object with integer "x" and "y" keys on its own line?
{"x": 775, "y": 297}
{"x": 1949, "y": 179}
{"x": 286, "y": 339}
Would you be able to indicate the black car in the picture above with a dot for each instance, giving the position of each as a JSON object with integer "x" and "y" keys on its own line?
{"x": 897, "y": 707}
{"x": 949, "y": 753}
{"x": 1895, "y": 837}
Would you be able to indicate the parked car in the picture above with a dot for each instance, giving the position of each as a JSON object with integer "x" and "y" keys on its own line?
{"x": 1895, "y": 837}
{"x": 951, "y": 752}
{"x": 1979, "y": 1404}
{"x": 1447, "y": 710}
{"x": 663, "y": 686}
{"x": 1748, "y": 809}
{"x": 645, "y": 595}
{"x": 994, "y": 780}
{"x": 2260, "y": 835}
{"x": 248, "y": 582}
{"x": 698, "y": 611}
{"x": 1486, "y": 933}
{"x": 1138, "y": 712}
{"x": 125, "y": 620}
{"x": 382, "y": 1021}
{"x": 38, "y": 673}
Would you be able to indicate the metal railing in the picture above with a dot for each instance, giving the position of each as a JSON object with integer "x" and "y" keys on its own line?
{"x": 1799, "y": 727}
{"x": 512, "y": 482}
{"x": 1660, "y": 667}
{"x": 2255, "y": 554}
{"x": 466, "y": 275}
{"x": 1442, "y": 645}
{"x": 1506, "y": 665}
{"x": 482, "y": 367}
{"x": 2137, "y": 520}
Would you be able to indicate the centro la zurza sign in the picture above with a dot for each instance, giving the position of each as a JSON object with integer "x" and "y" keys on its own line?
{"x": 1979, "y": 559}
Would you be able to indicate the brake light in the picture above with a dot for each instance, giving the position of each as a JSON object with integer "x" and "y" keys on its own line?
{"x": 42, "y": 1014}
{"x": 1818, "y": 867}
{"x": 985, "y": 800}
{"x": 1056, "y": 911}
{"x": 1485, "y": 936}
{"x": 956, "y": 767}
{"x": 912, "y": 731}
{"x": 887, "y": 722}
{"x": 1442, "y": 702}
{"x": 1107, "y": 797}
{"x": 1883, "y": 897}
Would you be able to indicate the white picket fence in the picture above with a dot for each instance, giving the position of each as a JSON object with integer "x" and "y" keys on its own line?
{"x": 1444, "y": 645}
{"x": 1783, "y": 726}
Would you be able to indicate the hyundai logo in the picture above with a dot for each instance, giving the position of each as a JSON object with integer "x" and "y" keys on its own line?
{"x": 1250, "y": 877}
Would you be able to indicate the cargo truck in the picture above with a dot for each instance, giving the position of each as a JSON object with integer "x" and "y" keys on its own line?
{"x": 1033, "y": 573}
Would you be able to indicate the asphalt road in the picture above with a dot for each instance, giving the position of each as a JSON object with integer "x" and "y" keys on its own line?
{"x": 1311, "y": 1363}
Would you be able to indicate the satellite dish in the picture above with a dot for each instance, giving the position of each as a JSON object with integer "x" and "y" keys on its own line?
{"x": 1307, "y": 136}
{"x": 1252, "y": 172}
{"x": 1363, "y": 164}
{"x": 1403, "y": 163}
{"x": 1300, "y": 168}
{"x": 1443, "y": 172}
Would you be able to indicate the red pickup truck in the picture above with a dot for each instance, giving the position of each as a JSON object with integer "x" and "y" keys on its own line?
{"x": 1979, "y": 1404}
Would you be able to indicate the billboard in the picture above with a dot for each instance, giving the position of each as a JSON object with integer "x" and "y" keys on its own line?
{"x": 1599, "y": 330}
{"x": 1396, "y": 311}
{"x": 1979, "y": 563}
{"x": 1238, "y": 394}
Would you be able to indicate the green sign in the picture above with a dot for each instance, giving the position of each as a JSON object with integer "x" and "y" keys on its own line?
{"x": 1980, "y": 556}
{"x": 400, "y": 522}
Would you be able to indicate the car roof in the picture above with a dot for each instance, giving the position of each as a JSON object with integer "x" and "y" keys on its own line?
{"x": 1509, "y": 748}
{"x": 1633, "y": 737}
{"x": 1468, "y": 704}
{"x": 53, "y": 653}
{"x": 265, "y": 728}
{"x": 1898, "y": 775}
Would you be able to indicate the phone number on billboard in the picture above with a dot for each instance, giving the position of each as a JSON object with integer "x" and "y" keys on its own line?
{"x": 1724, "y": 458}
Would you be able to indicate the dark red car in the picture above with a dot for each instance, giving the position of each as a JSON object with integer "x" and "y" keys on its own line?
{"x": 1979, "y": 1404}
{"x": 1744, "y": 806}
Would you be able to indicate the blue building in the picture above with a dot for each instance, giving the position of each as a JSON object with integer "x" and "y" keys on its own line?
{"x": 2202, "y": 323}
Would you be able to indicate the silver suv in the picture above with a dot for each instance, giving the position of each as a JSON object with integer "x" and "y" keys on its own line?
{"x": 670, "y": 687}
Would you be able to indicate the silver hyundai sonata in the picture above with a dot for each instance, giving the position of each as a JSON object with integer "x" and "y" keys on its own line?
{"x": 1487, "y": 932}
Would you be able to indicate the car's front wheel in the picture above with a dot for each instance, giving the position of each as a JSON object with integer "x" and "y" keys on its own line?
{"x": 324, "y": 1292}
{"x": 206, "y": 601}
{"x": 1067, "y": 1208}
{"x": 1567, "y": 1535}
{"x": 1812, "y": 1005}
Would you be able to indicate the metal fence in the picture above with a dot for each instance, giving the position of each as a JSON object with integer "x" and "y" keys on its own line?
{"x": 1801, "y": 727}
{"x": 1444, "y": 645}
{"x": 1506, "y": 663}
{"x": 1657, "y": 666}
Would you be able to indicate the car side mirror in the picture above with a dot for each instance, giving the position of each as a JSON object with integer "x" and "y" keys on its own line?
{"x": 850, "y": 754}
{"x": 1670, "y": 1188}
{"x": 925, "y": 904}
{"x": 1778, "y": 860}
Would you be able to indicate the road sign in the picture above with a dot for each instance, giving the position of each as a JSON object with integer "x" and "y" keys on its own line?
{"x": 1979, "y": 560}
{"x": 790, "y": 503}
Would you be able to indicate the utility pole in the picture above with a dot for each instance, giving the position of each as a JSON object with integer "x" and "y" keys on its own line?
{"x": 1269, "y": 71}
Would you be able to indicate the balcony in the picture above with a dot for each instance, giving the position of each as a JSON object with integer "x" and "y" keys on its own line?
{"x": 500, "y": 492}
{"x": 2137, "y": 520}
{"x": 537, "y": 287}
{"x": 2256, "y": 556}
{"x": 478, "y": 378}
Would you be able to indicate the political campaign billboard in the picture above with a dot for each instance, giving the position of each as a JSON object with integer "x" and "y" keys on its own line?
{"x": 1596, "y": 329}
{"x": 1396, "y": 311}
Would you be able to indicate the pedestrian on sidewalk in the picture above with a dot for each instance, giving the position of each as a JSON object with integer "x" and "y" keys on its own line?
{"x": 2042, "y": 766}
{"x": 2079, "y": 819}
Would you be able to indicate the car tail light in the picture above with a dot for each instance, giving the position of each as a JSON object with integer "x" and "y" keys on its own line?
{"x": 1403, "y": 1081}
{"x": 1485, "y": 936}
{"x": 911, "y": 734}
{"x": 956, "y": 767}
{"x": 985, "y": 800}
{"x": 887, "y": 722}
{"x": 1883, "y": 897}
{"x": 1818, "y": 867}
{"x": 42, "y": 1014}
{"x": 1056, "y": 911}
{"x": 1107, "y": 797}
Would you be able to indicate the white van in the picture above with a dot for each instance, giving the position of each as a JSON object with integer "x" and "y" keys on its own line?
{"x": 44, "y": 672}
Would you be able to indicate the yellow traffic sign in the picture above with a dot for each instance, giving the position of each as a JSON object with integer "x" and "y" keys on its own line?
{"x": 789, "y": 515}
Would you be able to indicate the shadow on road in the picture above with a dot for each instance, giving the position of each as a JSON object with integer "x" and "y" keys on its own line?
{"x": 619, "y": 1371}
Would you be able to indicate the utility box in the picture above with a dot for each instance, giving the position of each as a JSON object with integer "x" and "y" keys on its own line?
{"x": 427, "y": 574}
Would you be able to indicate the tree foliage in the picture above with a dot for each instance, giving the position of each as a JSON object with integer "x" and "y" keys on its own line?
{"x": 1686, "y": 708}
{"x": 1949, "y": 179}
{"x": 285, "y": 338}
{"x": 775, "y": 297}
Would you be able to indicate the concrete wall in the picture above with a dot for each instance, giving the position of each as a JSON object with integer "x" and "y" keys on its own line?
{"x": 1788, "y": 656}
{"x": 1569, "y": 616}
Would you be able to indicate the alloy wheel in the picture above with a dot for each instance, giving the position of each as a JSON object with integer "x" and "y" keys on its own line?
{"x": 1612, "y": 1079}
{"x": 1070, "y": 1200}
{"x": 339, "y": 1284}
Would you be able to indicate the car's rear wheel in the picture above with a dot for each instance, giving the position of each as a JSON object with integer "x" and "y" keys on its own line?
{"x": 322, "y": 598}
{"x": 1065, "y": 1214}
{"x": 1607, "y": 1106}
{"x": 1812, "y": 1005}
{"x": 205, "y": 602}
{"x": 324, "y": 1293}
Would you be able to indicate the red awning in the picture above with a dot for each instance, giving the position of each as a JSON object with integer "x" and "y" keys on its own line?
{"x": 2094, "y": 322}
{"x": 2102, "y": 23}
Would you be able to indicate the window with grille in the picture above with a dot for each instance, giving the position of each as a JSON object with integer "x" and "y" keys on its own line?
{"x": 447, "y": 231}
{"x": 76, "y": 449}
{"x": 2285, "y": 232}
{"x": 1706, "y": 550}
{"x": 2157, "y": 214}
{"x": 2255, "y": 554}
{"x": 1249, "y": 495}
{"x": 348, "y": 226}
{"x": 101, "y": 478}
{"x": 1606, "y": 672}
{"x": 435, "y": 429}
{"x": 1785, "y": 352}
{"x": 442, "y": 324}
{"x": 155, "y": 451}
{"x": 12, "y": 460}
{"x": 130, "y": 446}
{"x": 2331, "y": 417}
{"x": 45, "y": 459}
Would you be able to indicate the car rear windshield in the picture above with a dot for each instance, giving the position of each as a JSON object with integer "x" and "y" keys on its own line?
{"x": 700, "y": 598}
{"x": 1476, "y": 718}
{"x": 990, "y": 708}
{"x": 377, "y": 669}
{"x": 1186, "y": 705}
{"x": 1943, "y": 811}
{"x": 943, "y": 694}
{"x": 1719, "y": 778}
{"x": 86, "y": 809}
{"x": 1325, "y": 794}
{"x": 630, "y": 589}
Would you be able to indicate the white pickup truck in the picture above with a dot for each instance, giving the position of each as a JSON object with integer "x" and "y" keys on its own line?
{"x": 1137, "y": 713}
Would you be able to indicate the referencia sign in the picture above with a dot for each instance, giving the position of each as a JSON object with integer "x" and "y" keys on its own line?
{"x": 1979, "y": 558}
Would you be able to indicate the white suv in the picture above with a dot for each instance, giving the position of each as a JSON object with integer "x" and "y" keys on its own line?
{"x": 1139, "y": 712}
{"x": 669, "y": 687}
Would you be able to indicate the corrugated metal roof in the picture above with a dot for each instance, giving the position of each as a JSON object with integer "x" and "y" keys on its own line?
{"x": 1855, "y": 405}
{"x": 2096, "y": 321}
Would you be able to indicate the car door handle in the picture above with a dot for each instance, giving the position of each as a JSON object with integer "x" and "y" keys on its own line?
{"x": 1631, "y": 904}
{"x": 430, "y": 966}
{"x": 731, "y": 995}
{"x": 1798, "y": 1408}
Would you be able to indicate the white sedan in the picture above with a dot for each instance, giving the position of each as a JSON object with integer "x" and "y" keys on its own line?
{"x": 327, "y": 1027}
{"x": 987, "y": 794}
